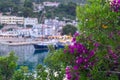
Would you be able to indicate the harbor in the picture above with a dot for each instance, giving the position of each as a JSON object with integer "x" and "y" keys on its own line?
{"x": 27, "y": 55}
{"x": 15, "y": 43}
{"x": 11, "y": 39}
{"x": 25, "y": 49}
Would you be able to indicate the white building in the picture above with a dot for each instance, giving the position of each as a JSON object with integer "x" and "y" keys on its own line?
{"x": 49, "y": 30}
{"x": 30, "y": 21}
{"x": 11, "y": 20}
{"x": 43, "y": 30}
{"x": 51, "y": 4}
{"x": 37, "y": 30}
{"x": 25, "y": 32}
{"x": 37, "y": 7}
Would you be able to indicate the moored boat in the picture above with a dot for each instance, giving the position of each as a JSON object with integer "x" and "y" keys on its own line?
{"x": 40, "y": 47}
{"x": 45, "y": 45}
{"x": 40, "y": 51}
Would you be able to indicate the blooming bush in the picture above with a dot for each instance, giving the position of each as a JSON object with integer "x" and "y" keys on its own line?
{"x": 82, "y": 59}
{"x": 95, "y": 52}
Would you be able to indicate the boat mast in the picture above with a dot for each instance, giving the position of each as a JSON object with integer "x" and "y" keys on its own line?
{"x": 42, "y": 22}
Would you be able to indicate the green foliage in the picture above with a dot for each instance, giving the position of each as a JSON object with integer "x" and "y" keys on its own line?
{"x": 8, "y": 5}
{"x": 28, "y": 3}
{"x": 98, "y": 23}
{"x": 63, "y": 10}
{"x": 69, "y": 29}
{"x": 93, "y": 16}
{"x": 7, "y": 66}
{"x": 25, "y": 8}
{"x": 15, "y": 7}
{"x": 23, "y": 74}
{"x": 27, "y": 12}
{"x": 55, "y": 61}
{"x": 62, "y": 1}
{"x": 41, "y": 73}
{"x": 67, "y": 11}
{"x": 51, "y": 48}
{"x": 18, "y": 75}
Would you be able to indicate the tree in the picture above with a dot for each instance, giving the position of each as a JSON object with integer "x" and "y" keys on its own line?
{"x": 63, "y": 10}
{"x": 95, "y": 53}
{"x": 7, "y": 66}
{"x": 28, "y": 4}
{"x": 69, "y": 29}
{"x": 55, "y": 61}
{"x": 23, "y": 74}
{"x": 6, "y": 6}
{"x": 41, "y": 73}
{"x": 15, "y": 10}
{"x": 10, "y": 6}
{"x": 27, "y": 12}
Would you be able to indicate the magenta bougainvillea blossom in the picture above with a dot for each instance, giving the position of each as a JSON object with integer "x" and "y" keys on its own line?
{"x": 115, "y": 5}
{"x": 85, "y": 58}
{"x": 68, "y": 73}
{"x": 82, "y": 58}
{"x": 74, "y": 37}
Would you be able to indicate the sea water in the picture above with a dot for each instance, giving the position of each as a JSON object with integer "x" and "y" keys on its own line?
{"x": 27, "y": 55}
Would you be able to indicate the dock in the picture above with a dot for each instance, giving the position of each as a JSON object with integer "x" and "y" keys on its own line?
{"x": 14, "y": 41}
{"x": 20, "y": 43}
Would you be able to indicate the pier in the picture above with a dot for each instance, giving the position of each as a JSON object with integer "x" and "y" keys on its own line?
{"x": 18, "y": 41}
{"x": 15, "y": 40}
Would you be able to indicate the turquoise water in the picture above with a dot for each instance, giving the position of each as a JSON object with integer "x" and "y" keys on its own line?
{"x": 27, "y": 55}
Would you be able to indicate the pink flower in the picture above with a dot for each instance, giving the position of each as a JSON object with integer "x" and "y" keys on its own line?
{"x": 76, "y": 67}
{"x": 96, "y": 44}
{"x": 92, "y": 53}
{"x": 76, "y": 34}
{"x": 79, "y": 60}
{"x": 115, "y": 5}
{"x": 73, "y": 39}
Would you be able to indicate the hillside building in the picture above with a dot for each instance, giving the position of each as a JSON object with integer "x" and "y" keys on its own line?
{"x": 51, "y": 4}
{"x": 14, "y": 20}
{"x": 30, "y": 21}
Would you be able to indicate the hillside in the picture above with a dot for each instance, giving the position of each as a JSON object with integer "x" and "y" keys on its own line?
{"x": 62, "y": 1}
{"x": 25, "y": 8}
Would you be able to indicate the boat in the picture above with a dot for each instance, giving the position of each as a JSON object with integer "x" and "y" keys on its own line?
{"x": 40, "y": 51}
{"x": 40, "y": 47}
{"x": 45, "y": 45}
{"x": 59, "y": 45}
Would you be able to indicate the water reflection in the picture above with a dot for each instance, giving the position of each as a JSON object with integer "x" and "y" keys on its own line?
{"x": 26, "y": 53}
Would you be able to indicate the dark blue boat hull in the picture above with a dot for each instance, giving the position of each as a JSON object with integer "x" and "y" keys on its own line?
{"x": 59, "y": 47}
{"x": 40, "y": 51}
{"x": 40, "y": 47}
{"x": 45, "y": 47}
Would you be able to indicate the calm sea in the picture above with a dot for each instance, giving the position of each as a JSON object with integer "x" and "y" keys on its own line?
{"x": 27, "y": 55}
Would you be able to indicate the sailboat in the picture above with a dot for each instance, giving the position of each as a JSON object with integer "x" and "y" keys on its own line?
{"x": 45, "y": 45}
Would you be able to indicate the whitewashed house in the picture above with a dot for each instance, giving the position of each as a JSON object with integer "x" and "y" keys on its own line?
{"x": 30, "y": 21}
{"x": 51, "y": 4}
{"x": 37, "y": 7}
{"x": 42, "y": 30}
{"x": 11, "y": 20}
